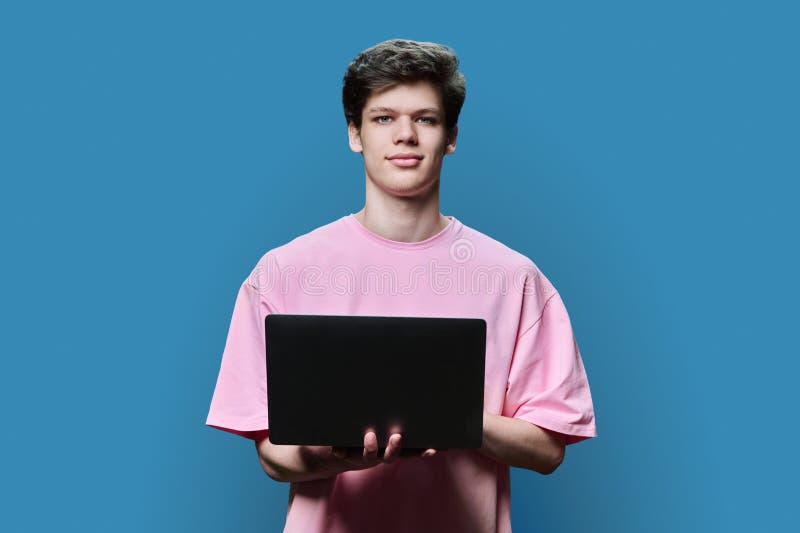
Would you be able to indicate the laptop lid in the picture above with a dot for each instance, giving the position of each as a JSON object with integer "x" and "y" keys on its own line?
{"x": 332, "y": 377}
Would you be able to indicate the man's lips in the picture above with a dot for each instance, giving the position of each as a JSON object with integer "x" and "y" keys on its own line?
{"x": 405, "y": 159}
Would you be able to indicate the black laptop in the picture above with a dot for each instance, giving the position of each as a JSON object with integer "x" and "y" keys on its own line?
{"x": 331, "y": 377}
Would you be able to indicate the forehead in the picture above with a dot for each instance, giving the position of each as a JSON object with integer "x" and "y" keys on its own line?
{"x": 405, "y": 97}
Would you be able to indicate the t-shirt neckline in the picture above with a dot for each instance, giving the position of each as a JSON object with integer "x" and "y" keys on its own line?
{"x": 430, "y": 241}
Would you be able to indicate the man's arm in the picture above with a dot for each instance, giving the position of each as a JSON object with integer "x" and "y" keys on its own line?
{"x": 506, "y": 440}
{"x": 290, "y": 463}
{"x": 519, "y": 443}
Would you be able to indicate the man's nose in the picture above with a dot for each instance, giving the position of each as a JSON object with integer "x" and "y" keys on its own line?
{"x": 405, "y": 131}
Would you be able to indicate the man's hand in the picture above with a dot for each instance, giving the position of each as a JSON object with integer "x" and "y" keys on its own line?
{"x": 306, "y": 463}
{"x": 359, "y": 459}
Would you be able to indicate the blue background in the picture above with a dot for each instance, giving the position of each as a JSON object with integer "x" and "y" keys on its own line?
{"x": 644, "y": 155}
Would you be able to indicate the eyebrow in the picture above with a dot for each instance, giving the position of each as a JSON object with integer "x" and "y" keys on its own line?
{"x": 390, "y": 110}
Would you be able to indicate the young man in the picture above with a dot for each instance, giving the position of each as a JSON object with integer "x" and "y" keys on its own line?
{"x": 400, "y": 256}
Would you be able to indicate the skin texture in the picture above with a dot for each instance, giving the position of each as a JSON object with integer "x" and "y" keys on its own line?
{"x": 306, "y": 463}
{"x": 402, "y": 204}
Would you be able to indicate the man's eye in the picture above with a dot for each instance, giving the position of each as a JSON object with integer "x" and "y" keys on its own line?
{"x": 429, "y": 120}
{"x": 380, "y": 120}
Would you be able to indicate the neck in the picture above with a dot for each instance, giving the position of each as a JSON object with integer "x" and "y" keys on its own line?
{"x": 402, "y": 219}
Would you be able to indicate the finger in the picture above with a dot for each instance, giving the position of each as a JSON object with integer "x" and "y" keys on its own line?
{"x": 370, "y": 445}
{"x": 430, "y": 452}
{"x": 393, "y": 448}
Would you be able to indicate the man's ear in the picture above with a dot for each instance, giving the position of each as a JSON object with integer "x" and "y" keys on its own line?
{"x": 450, "y": 147}
{"x": 355, "y": 138}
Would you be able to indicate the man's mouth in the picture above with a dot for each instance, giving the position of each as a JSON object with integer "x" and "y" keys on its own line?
{"x": 405, "y": 159}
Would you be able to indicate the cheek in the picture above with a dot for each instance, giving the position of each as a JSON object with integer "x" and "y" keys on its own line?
{"x": 439, "y": 142}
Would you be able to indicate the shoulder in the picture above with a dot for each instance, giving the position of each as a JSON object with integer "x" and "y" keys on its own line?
{"x": 484, "y": 248}
{"x": 320, "y": 240}
{"x": 488, "y": 256}
{"x": 287, "y": 258}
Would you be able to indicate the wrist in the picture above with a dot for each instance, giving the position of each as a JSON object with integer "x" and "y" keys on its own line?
{"x": 319, "y": 461}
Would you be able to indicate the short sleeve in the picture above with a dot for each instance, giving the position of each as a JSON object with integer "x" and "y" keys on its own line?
{"x": 547, "y": 383}
{"x": 239, "y": 402}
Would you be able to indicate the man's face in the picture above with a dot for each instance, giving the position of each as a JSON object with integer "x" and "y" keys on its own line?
{"x": 403, "y": 138}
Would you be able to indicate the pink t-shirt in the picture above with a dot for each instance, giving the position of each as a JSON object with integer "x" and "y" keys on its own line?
{"x": 534, "y": 370}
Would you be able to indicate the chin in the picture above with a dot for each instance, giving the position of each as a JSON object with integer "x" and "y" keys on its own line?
{"x": 405, "y": 188}
{"x": 405, "y": 184}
